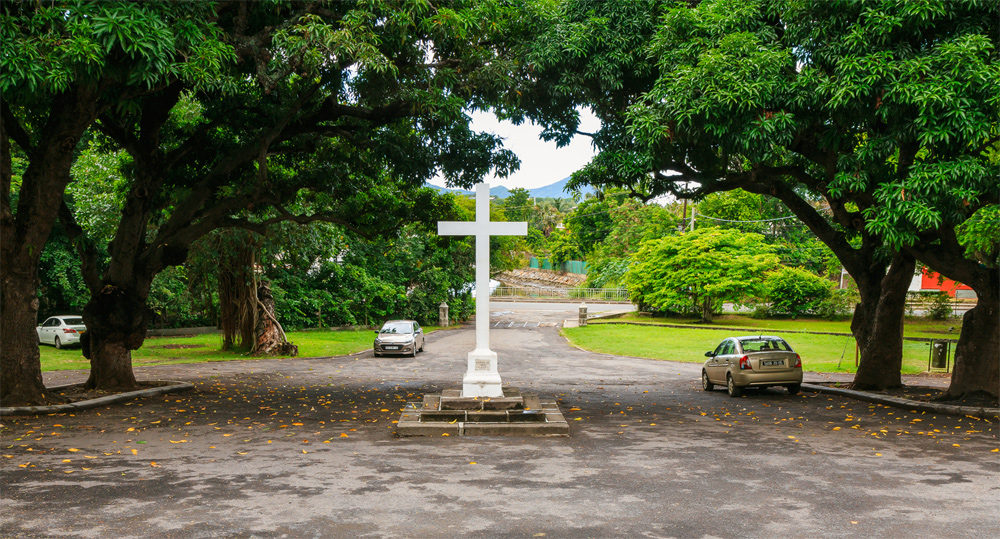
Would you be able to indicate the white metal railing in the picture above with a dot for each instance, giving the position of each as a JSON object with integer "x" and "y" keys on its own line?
{"x": 561, "y": 294}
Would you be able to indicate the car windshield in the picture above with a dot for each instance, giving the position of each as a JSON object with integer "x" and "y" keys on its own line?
{"x": 73, "y": 321}
{"x": 764, "y": 344}
{"x": 397, "y": 327}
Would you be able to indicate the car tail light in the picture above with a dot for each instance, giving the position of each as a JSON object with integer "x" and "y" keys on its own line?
{"x": 69, "y": 330}
{"x": 798, "y": 362}
{"x": 745, "y": 363}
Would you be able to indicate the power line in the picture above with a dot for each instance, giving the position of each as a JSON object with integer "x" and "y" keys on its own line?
{"x": 703, "y": 216}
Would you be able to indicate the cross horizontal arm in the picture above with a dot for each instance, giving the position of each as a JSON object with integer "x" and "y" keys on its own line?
{"x": 495, "y": 228}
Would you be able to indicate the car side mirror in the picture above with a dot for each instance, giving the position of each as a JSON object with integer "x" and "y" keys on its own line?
{"x": 709, "y": 354}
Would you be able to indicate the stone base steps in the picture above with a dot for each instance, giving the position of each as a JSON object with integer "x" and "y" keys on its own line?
{"x": 451, "y": 414}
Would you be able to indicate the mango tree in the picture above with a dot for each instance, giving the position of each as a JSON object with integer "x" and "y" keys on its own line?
{"x": 64, "y": 64}
{"x": 346, "y": 106}
{"x": 884, "y": 111}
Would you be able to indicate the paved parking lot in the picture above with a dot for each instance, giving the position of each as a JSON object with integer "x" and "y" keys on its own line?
{"x": 305, "y": 448}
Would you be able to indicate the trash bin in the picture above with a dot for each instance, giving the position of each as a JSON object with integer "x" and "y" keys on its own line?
{"x": 939, "y": 355}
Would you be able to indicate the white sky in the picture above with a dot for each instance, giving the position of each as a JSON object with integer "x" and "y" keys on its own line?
{"x": 542, "y": 163}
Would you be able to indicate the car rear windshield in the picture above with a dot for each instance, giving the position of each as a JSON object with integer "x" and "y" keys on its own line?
{"x": 398, "y": 327}
{"x": 764, "y": 345}
{"x": 73, "y": 321}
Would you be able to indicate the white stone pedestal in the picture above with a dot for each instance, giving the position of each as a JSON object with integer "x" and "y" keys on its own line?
{"x": 482, "y": 378}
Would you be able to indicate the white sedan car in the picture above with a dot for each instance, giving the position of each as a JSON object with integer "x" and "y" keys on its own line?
{"x": 60, "y": 331}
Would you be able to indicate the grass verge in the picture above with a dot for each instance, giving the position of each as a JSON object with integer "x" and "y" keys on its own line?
{"x": 915, "y": 327}
{"x": 820, "y": 353}
{"x": 207, "y": 348}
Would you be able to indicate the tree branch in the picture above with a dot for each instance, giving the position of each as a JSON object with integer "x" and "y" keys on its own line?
{"x": 88, "y": 255}
{"x": 14, "y": 129}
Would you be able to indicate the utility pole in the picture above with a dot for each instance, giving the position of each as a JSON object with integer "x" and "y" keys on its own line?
{"x": 693, "y": 208}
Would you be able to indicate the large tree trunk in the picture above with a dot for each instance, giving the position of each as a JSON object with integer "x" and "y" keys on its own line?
{"x": 878, "y": 327}
{"x": 116, "y": 319}
{"x": 270, "y": 337}
{"x": 706, "y": 310}
{"x": 237, "y": 289}
{"x": 977, "y": 356}
{"x": 21, "y": 381}
{"x": 878, "y": 319}
{"x": 23, "y": 233}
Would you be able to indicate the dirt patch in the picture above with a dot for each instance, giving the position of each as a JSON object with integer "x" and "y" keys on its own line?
{"x": 930, "y": 394}
{"x": 79, "y": 393}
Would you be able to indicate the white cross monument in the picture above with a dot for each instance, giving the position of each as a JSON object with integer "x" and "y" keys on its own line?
{"x": 482, "y": 378}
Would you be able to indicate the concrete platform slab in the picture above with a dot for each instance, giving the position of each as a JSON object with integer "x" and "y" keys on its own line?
{"x": 450, "y": 414}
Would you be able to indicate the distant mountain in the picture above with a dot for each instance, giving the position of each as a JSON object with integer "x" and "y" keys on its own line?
{"x": 555, "y": 190}
{"x": 558, "y": 190}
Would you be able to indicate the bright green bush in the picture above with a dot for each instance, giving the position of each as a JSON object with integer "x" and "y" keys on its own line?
{"x": 795, "y": 291}
{"x": 699, "y": 270}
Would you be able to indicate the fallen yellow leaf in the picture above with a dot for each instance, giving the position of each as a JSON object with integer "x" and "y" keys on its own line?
{"x": 343, "y": 435}
{"x": 72, "y": 450}
{"x": 153, "y": 464}
{"x": 135, "y": 451}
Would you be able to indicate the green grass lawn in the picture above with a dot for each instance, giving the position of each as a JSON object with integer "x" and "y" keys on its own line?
{"x": 914, "y": 326}
{"x": 820, "y": 353}
{"x": 205, "y": 348}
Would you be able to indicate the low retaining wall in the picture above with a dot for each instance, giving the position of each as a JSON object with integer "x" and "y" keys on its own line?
{"x": 168, "y": 332}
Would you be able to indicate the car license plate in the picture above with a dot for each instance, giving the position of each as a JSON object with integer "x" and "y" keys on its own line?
{"x": 772, "y": 363}
{"x": 391, "y": 347}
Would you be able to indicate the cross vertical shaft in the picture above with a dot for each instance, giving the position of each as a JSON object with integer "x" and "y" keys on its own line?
{"x": 482, "y": 379}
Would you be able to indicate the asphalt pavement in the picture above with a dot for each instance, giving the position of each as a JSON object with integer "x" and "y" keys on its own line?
{"x": 306, "y": 448}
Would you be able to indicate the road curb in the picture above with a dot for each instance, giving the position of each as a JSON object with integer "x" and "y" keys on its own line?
{"x": 896, "y": 402}
{"x": 162, "y": 387}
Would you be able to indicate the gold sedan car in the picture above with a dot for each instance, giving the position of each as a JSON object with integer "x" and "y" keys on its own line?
{"x": 758, "y": 361}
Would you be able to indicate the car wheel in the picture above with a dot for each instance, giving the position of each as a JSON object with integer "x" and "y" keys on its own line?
{"x": 705, "y": 384}
{"x": 794, "y": 389}
{"x": 422, "y": 343}
{"x": 56, "y": 343}
{"x": 734, "y": 390}
{"x": 413, "y": 353}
